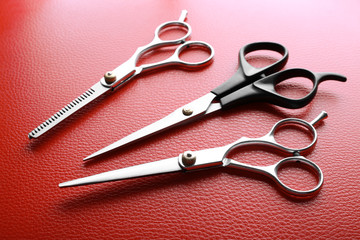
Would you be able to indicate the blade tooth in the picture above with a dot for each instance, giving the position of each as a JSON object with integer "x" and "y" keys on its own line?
{"x": 65, "y": 111}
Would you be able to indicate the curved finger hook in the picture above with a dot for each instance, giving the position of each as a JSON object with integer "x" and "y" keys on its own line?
{"x": 323, "y": 76}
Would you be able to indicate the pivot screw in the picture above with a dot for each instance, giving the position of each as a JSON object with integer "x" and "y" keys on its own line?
{"x": 187, "y": 111}
{"x": 188, "y": 158}
{"x": 110, "y": 77}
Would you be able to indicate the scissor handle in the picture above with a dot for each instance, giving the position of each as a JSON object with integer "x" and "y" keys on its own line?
{"x": 272, "y": 172}
{"x": 157, "y": 40}
{"x": 307, "y": 163}
{"x": 176, "y": 60}
{"x": 247, "y": 74}
{"x": 263, "y": 90}
{"x": 129, "y": 69}
{"x": 270, "y": 138}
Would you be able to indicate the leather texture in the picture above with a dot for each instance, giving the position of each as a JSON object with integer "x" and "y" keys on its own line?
{"x": 53, "y": 51}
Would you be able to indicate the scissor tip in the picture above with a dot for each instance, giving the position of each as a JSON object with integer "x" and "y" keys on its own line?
{"x": 72, "y": 183}
{"x": 95, "y": 154}
{"x": 88, "y": 157}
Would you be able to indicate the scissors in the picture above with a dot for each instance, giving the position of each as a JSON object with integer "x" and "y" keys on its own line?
{"x": 128, "y": 70}
{"x": 248, "y": 84}
{"x": 216, "y": 157}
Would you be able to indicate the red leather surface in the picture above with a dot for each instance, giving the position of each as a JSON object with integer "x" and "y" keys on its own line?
{"x": 53, "y": 51}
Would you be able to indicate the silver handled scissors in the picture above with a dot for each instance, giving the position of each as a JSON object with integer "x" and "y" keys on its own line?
{"x": 216, "y": 157}
{"x": 248, "y": 84}
{"x": 125, "y": 72}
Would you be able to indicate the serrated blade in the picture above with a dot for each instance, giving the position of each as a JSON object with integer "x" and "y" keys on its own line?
{"x": 88, "y": 96}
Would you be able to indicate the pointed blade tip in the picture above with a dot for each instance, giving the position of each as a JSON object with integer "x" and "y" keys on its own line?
{"x": 62, "y": 185}
{"x": 86, "y": 158}
{"x": 71, "y": 183}
{"x": 98, "y": 153}
{"x": 91, "y": 156}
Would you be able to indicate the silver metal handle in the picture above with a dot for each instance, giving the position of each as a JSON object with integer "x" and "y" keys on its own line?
{"x": 178, "y": 24}
{"x": 176, "y": 60}
{"x": 272, "y": 172}
{"x": 269, "y": 139}
{"x": 128, "y": 70}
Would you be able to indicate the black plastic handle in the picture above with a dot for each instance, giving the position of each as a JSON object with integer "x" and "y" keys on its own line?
{"x": 263, "y": 90}
{"x": 248, "y": 74}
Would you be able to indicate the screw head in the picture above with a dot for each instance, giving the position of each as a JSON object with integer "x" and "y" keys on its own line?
{"x": 188, "y": 158}
{"x": 187, "y": 111}
{"x": 110, "y": 77}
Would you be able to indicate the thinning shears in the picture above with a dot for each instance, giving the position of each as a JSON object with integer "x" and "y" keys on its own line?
{"x": 216, "y": 157}
{"x": 248, "y": 84}
{"x": 125, "y": 72}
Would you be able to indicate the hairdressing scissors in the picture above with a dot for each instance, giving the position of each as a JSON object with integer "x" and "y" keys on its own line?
{"x": 248, "y": 84}
{"x": 216, "y": 157}
{"x": 125, "y": 72}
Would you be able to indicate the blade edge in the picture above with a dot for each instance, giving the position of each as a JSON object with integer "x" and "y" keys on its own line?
{"x": 168, "y": 165}
{"x": 199, "y": 107}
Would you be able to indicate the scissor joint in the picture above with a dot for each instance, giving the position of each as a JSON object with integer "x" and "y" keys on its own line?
{"x": 296, "y": 153}
{"x": 187, "y": 111}
{"x": 190, "y": 160}
{"x": 111, "y": 80}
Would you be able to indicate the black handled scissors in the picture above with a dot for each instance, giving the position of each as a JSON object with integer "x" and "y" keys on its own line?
{"x": 128, "y": 70}
{"x": 217, "y": 157}
{"x": 248, "y": 84}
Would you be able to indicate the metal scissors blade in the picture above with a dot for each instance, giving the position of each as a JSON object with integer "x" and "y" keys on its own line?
{"x": 205, "y": 158}
{"x": 182, "y": 115}
{"x": 94, "y": 92}
{"x": 147, "y": 169}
